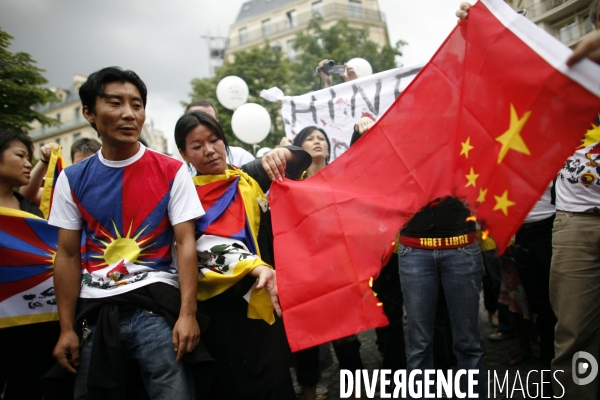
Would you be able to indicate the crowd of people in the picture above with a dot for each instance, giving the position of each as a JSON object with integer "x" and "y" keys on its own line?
{"x": 173, "y": 293}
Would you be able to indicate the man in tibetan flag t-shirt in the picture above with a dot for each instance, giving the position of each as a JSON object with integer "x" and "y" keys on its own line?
{"x": 132, "y": 203}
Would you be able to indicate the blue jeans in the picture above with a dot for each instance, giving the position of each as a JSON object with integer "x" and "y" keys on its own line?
{"x": 145, "y": 337}
{"x": 460, "y": 272}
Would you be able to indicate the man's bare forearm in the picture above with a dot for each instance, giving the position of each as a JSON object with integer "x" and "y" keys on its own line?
{"x": 67, "y": 284}
{"x": 187, "y": 261}
{"x": 67, "y": 276}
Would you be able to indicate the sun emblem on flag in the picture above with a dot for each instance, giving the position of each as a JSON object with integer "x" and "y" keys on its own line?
{"x": 591, "y": 136}
{"x": 118, "y": 247}
{"x": 51, "y": 258}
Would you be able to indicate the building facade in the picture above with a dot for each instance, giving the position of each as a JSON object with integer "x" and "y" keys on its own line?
{"x": 280, "y": 20}
{"x": 72, "y": 125}
{"x": 567, "y": 20}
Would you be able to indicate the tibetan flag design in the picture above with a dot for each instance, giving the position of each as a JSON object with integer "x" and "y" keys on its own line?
{"x": 226, "y": 237}
{"x": 27, "y": 250}
{"x": 125, "y": 211}
{"x": 55, "y": 166}
{"x": 490, "y": 119}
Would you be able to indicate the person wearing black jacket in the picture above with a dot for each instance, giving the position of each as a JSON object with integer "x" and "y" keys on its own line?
{"x": 438, "y": 247}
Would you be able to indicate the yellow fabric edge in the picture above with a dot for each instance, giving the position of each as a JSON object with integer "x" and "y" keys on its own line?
{"x": 11, "y": 212}
{"x": 45, "y": 202}
{"x": 8, "y": 322}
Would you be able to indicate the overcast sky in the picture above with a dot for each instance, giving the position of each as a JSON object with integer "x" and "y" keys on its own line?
{"x": 161, "y": 40}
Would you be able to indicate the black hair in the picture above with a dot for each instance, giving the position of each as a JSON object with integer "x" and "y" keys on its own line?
{"x": 192, "y": 119}
{"x": 85, "y": 146}
{"x": 94, "y": 86}
{"x": 7, "y": 137}
{"x": 303, "y": 134}
{"x": 202, "y": 103}
{"x": 593, "y": 12}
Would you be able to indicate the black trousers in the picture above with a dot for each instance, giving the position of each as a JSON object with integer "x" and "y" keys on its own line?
{"x": 532, "y": 252}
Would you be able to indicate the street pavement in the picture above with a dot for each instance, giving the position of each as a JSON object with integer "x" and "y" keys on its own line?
{"x": 495, "y": 353}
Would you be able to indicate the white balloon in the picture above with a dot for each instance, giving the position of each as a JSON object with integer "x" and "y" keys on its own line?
{"x": 251, "y": 123}
{"x": 232, "y": 92}
{"x": 361, "y": 67}
{"x": 262, "y": 151}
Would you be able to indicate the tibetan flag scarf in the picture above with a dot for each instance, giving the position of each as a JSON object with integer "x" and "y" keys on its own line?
{"x": 227, "y": 237}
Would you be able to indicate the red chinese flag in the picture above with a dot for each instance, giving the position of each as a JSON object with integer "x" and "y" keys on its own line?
{"x": 490, "y": 120}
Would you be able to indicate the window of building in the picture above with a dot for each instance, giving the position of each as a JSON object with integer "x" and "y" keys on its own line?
{"x": 568, "y": 32}
{"x": 266, "y": 28}
{"x": 291, "y": 53}
{"x": 587, "y": 24}
{"x": 354, "y": 9}
{"x": 291, "y": 19}
{"x": 243, "y": 32}
{"x": 57, "y": 141}
{"x": 58, "y": 117}
{"x": 317, "y": 9}
{"x": 76, "y": 136}
{"x": 77, "y": 112}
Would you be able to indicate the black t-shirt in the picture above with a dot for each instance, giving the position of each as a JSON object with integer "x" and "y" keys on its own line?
{"x": 444, "y": 219}
{"x": 28, "y": 206}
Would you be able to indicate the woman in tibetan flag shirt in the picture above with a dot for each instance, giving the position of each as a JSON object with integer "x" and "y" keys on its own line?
{"x": 237, "y": 286}
{"x": 28, "y": 326}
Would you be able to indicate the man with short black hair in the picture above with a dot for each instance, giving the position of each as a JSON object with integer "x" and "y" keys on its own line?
{"x": 129, "y": 298}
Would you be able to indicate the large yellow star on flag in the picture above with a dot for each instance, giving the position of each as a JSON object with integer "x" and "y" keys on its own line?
{"x": 511, "y": 139}
{"x": 471, "y": 178}
{"x": 482, "y": 194}
{"x": 502, "y": 203}
{"x": 466, "y": 147}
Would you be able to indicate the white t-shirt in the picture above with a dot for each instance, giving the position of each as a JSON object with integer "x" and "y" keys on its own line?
{"x": 578, "y": 183}
{"x": 127, "y": 210}
{"x": 239, "y": 156}
{"x": 543, "y": 208}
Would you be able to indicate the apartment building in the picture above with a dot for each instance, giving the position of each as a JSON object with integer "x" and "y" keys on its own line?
{"x": 280, "y": 20}
{"x": 567, "y": 20}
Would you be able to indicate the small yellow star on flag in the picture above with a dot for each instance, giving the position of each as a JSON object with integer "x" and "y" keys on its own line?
{"x": 466, "y": 147}
{"x": 511, "y": 139}
{"x": 502, "y": 203}
{"x": 471, "y": 178}
{"x": 482, "y": 194}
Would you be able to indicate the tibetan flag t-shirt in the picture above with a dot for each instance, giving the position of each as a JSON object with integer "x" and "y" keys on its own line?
{"x": 127, "y": 210}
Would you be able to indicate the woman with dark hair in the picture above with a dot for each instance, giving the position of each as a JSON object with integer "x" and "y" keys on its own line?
{"x": 234, "y": 246}
{"x": 316, "y": 142}
{"x": 26, "y": 350}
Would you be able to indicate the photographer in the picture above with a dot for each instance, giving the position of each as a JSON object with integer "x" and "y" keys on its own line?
{"x": 327, "y": 68}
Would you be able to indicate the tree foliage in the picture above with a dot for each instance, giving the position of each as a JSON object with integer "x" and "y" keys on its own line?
{"x": 20, "y": 88}
{"x": 263, "y": 67}
{"x": 339, "y": 43}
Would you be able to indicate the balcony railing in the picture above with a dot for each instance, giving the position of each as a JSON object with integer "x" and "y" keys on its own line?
{"x": 48, "y": 130}
{"x": 543, "y": 6}
{"x": 327, "y": 12}
{"x": 571, "y": 33}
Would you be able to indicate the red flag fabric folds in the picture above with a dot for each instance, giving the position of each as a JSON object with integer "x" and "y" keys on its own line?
{"x": 490, "y": 119}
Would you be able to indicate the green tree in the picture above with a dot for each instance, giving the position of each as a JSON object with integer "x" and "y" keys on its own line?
{"x": 261, "y": 68}
{"x": 264, "y": 67}
{"x": 20, "y": 89}
{"x": 341, "y": 43}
